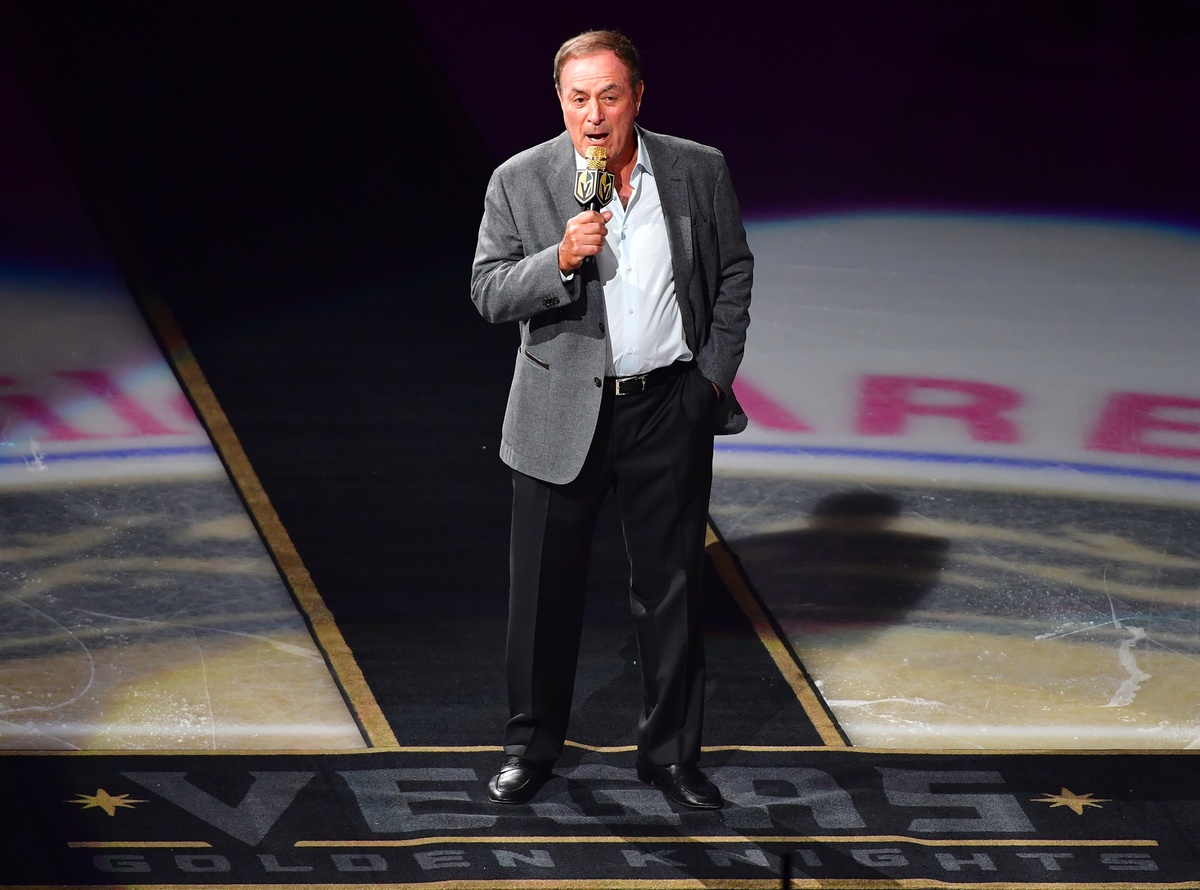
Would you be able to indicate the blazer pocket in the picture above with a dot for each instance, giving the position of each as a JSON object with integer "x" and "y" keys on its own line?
{"x": 533, "y": 358}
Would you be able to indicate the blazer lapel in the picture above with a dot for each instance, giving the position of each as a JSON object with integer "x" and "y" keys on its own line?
{"x": 562, "y": 181}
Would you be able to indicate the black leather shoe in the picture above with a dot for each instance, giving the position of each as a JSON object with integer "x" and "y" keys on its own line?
{"x": 518, "y": 780}
{"x": 682, "y": 783}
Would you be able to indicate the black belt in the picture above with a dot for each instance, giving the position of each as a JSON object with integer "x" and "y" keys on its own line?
{"x": 635, "y": 383}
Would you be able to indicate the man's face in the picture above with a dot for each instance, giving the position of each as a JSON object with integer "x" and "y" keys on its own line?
{"x": 599, "y": 105}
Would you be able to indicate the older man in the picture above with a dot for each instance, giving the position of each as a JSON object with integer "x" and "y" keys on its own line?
{"x": 632, "y": 320}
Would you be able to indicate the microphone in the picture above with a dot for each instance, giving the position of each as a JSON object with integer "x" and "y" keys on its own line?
{"x": 594, "y": 186}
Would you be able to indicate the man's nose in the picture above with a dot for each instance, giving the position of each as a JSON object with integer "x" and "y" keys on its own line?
{"x": 594, "y": 112}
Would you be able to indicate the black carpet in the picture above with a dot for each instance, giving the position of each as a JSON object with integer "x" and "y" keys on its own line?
{"x": 834, "y": 818}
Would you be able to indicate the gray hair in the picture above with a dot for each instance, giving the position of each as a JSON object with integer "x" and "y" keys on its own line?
{"x": 591, "y": 42}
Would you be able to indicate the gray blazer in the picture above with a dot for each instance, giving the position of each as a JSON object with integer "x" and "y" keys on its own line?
{"x": 554, "y": 400}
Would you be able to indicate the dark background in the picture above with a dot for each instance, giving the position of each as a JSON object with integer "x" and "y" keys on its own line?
{"x": 302, "y": 183}
{"x": 328, "y": 123}
{"x": 1039, "y": 105}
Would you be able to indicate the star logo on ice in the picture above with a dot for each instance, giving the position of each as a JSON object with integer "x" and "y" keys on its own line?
{"x": 105, "y": 801}
{"x": 1068, "y": 798}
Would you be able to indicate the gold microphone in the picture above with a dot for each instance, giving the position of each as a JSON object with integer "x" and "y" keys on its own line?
{"x": 597, "y": 157}
{"x": 594, "y": 186}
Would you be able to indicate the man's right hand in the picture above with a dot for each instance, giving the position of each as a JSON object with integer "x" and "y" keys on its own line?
{"x": 583, "y": 238}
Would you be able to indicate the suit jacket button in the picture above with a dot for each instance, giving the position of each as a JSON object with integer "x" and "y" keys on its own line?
{"x": 550, "y": 301}
{"x": 597, "y": 381}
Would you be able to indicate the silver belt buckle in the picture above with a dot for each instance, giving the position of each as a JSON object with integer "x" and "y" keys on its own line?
{"x": 639, "y": 379}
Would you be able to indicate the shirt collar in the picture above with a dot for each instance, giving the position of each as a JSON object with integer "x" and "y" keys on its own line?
{"x": 643, "y": 160}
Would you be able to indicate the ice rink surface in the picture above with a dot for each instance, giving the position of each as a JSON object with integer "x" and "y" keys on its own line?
{"x": 968, "y": 495}
{"x": 139, "y": 608}
{"x": 970, "y": 492}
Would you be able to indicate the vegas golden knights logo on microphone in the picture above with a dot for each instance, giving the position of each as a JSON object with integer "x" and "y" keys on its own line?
{"x": 594, "y": 186}
{"x": 586, "y": 184}
{"x": 604, "y": 188}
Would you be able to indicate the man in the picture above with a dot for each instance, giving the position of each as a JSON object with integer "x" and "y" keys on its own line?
{"x": 632, "y": 322}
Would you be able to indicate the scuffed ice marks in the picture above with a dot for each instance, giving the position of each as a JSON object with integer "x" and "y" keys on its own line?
{"x": 980, "y": 618}
{"x": 114, "y": 600}
{"x": 1136, "y": 676}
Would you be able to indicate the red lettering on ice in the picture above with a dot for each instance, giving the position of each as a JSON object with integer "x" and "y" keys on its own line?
{"x": 764, "y": 410}
{"x": 1130, "y": 418}
{"x": 887, "y": 402}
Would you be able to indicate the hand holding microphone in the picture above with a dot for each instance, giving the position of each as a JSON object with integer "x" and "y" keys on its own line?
{"x": 585, "y": 232}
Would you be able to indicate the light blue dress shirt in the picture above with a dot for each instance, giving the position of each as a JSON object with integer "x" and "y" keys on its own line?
{"x": 645, "y": 328}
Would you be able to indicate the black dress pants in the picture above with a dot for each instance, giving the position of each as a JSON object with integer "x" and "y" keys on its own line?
{"x": 654, "y": 449}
